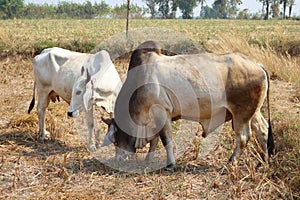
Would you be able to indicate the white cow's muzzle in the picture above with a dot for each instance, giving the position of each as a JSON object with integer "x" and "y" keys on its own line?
{"x": 73, "y": 114}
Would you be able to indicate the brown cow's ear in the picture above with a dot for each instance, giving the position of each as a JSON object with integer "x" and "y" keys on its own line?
{"x": 106, "y": 120}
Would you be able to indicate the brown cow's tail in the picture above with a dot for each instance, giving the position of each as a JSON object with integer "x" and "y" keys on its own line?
{"x": 33, "y": 100}
{"x": 270, "y": 142}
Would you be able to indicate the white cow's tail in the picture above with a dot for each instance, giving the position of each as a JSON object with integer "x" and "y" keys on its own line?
{"x": 33, "y": 99}
{"x": 270, "y": 143}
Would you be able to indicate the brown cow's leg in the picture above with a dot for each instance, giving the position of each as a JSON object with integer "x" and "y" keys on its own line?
{"x": 153, "y": 145}
{"x": 166, "y": 138}
{"x": 243, "y": 133}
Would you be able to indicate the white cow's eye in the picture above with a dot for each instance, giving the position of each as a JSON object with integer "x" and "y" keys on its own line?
{"x": 78, "y": 92}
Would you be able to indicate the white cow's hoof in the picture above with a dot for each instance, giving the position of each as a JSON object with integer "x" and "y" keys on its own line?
{"x": 92, "y": 148}
{"x": 45, "y": 135}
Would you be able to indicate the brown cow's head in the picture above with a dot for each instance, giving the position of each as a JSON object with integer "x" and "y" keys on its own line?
{"x": 124, "y": 143}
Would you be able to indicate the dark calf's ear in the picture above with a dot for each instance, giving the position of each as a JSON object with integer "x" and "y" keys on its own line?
{"x": 106, "y": 120}
{"x": 109, "y": 139}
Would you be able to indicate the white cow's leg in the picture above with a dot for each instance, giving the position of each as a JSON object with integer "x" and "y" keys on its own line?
{"x": 166, "y": 138}
{"x": 153, "y": 145}
{"x": 43, "y": 103}
{"x": 89, "y": 117}
{"x": 243, "y": 133}
{"x": 260, "y": 126}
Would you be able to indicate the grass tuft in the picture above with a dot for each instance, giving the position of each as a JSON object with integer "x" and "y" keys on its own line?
{"x": 282, "y": 67}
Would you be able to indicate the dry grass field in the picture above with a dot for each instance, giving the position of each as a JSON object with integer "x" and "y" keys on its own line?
{"x": 62, "y": 168}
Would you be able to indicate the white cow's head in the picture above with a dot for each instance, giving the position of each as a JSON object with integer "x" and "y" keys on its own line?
{"x": 100, "y": 89}
{"x": 82, "y": 94}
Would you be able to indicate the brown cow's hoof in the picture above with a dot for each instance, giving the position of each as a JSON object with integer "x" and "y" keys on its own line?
{"x": 41, "y": 140}
{"x": 262, "y": 165}
{"x": 258, "y": 166}
{"x": 168, "y": 170}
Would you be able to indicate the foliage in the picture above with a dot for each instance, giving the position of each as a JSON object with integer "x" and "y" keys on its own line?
{"x": 151, "y": 7}
{"x": 187, "y": 6}
{"x": 221, "y": 9}
{"x": 164, "y": 8}
{"x": 208, "y": 12}
{"x": 120, "y": 11}
{"x": 243, "y": 15}
{"x": 274, "y": 6}
{"x": 65, "y": 10}
{"x": 10, "y": 8}
{"x": 232, "y": 7}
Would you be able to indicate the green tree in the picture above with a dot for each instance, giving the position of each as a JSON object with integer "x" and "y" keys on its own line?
{"x": 291, "y": 3}
{"x": 120, "y": 11}
{"x": 233, "y": 7}
{"x": 186, "y": 7}
{"x": 284, "y": 2}
{"x": 208, "y": 13}
{"x": 226, "y": 8}
{"x": 174, "y": 5}
{"x": 221, "y": 8}
{"x": 244, "y": 14}
{"x": 102, "y": 8}
{"x": 275, "y": 8}
{"x": 265, "y": 8}
{"x": 201, "y": 2}
{"x": 164, "y": 8}
{"x": 89, "y": 10}
{"x": 11, "y": 8}
{"x": 151, "y": 7}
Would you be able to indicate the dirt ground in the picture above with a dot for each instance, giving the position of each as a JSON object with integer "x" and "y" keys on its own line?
{"x": 62, "y": 168}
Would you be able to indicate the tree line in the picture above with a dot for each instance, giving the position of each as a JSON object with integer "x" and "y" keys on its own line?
{"x": 224, "y": 9}
{"x": 18, "y": 9}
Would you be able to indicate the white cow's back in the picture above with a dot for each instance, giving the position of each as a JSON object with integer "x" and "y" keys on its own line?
{"x": 58, "y": 68}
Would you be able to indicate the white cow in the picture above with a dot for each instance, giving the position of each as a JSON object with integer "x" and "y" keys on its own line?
{"x": 55, "y": 72}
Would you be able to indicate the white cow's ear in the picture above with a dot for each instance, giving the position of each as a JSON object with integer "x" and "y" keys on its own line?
{"x": 82, "y": 70}
{"x": 109, "y": 138}
{"x": 87, "y": 96}
{"x": 88, "y": 76}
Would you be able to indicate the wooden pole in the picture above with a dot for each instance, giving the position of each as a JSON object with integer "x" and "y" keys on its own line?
{"x": 127, "y": 18}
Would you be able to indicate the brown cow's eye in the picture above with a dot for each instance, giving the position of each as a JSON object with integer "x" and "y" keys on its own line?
{"x": 78, "y": 92}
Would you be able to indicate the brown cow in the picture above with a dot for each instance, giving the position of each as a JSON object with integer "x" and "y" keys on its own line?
{"x": 208, "y": 88}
